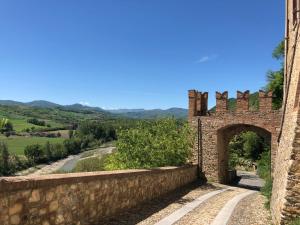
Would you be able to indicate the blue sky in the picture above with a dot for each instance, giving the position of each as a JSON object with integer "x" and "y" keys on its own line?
{"x": 135, "y": 53}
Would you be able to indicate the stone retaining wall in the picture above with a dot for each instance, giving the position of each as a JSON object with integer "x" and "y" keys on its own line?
{"x": 84, "y": 198}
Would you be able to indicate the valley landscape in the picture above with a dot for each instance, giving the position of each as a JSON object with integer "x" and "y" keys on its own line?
{"x": 181, "y": 117}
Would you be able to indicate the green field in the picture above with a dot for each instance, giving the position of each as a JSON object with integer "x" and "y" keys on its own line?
{"x": 22, "y": 124}
{"x": 16, "y": 145}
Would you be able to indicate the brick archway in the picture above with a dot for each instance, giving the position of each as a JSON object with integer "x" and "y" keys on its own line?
{"x": 224, "y": 135}
{"x": 214, "y": 128}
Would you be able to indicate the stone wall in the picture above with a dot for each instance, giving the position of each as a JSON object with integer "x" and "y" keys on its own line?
{"x": 84, "y": 198}
{"x": 216, "y": 129}
{"x": 285, "y": 203}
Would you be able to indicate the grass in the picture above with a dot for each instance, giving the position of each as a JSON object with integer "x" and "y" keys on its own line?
{"x": 17, "y": 144}
{"x": 295, "y": 222}
{"x": 22, "y": 124}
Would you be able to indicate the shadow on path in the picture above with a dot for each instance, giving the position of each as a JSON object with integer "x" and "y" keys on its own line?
{"x": 145, "y": 210}
{"x": 248, "y": 180}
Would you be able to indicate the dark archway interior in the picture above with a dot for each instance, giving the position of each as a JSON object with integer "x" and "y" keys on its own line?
{"x": 224, "y": 136}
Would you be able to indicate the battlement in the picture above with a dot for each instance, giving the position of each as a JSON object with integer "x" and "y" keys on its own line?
{"x": 198, "y": 102}
{"x": 222, "y": 101}
{"x": 242, "y": 101}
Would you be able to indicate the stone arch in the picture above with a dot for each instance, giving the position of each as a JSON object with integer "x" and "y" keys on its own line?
{"x": 225, "y": 134}
{"x": 211, "y": 125}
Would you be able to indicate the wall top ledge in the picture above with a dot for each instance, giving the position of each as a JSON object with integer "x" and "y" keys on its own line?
{"x": 8, "y": 184}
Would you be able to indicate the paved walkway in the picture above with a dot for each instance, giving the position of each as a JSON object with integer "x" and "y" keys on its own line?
{"x": 211, "y": 204}
{"x": 250, "y": 180}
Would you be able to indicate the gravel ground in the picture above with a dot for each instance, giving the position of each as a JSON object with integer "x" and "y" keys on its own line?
{"x": 153, "y": 211}
{"x": 251, "y": 211}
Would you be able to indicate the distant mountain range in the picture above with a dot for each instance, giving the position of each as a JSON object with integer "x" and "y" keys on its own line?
{"x": 128, "y": 113}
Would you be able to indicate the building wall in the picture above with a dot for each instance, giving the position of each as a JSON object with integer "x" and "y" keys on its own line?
{"x": 285, "y": 202}
{"x": 84, "y": 198}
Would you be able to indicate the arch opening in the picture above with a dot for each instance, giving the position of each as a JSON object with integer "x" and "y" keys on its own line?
{"x": 227, "y": 137}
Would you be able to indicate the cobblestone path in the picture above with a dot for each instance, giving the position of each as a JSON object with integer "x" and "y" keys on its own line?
{"x": 190, "y": 206}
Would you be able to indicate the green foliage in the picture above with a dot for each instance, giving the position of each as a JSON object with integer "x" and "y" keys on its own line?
{"x": 245, "y": 149}
{"x": 47, "y": 149}
{"x": 5, "y": 125}
{"x": 71, "y": 134}
{"x": 264, "y": 171}
{"x": 275, "y": 84}
{"x": 35, "y": 153}
{"x": 17, "y": 144}
{"x": 58, "y": 151}
{"x": 278, "y": 52}
{"x": 264, "y": 165}
{"x": 266, "y": 190}
{"x": 73, "y": 146}
{"x": 164, "y": 142}
{"x": 276, "y": 78}
{"x": 37, "y": 122}
{"x": 296, "y": 221}
{"x": 90, "y": 164}
{"x": 4, "y": 160}
{"x": 253, "y": 103}
{"x": 98, "y": 130}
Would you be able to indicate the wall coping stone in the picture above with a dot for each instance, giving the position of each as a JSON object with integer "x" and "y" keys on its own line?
{"x": 10, "y": 184}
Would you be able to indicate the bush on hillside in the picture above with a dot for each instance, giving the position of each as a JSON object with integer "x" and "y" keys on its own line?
{"x": 73, "y": 146}
{"x": 37, "y": 122}
{"x": 4, "y": 159}
{"x": 58, "y": 151}
{"x": 35, "y": 153}
{"x": 164, "y": 142}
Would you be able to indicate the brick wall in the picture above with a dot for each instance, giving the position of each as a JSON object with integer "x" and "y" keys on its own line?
{"x": 217, "y": 129}
{"x": 84, "y": 198}
{"x": 285, "y": 203}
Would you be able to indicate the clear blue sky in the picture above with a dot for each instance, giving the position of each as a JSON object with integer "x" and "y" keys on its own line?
{"x": 135, "y": 53}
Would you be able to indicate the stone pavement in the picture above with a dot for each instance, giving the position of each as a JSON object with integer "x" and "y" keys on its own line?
{"x": 211, "y": 204}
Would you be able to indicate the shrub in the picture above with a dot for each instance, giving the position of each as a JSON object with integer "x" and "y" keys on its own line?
{"x": 5, "y": 126}
{"x": 264, "y": 171}
{"x": 35, "y": 153}
{"x": 18, "y": 163}
{"x": 58, "y": 151}
{"x": 296, "y": 221}
{"x": 37, "y": 122}
{"x": 71, "y": 134}
{"x": 164, "y": 142}
{"x": 73, "y": 146}
{"x": 4, "y": 159}
{"x": 90, "y": 164}
{"x": 48, "y": 152}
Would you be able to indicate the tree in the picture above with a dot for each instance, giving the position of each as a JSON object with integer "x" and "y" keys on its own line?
{"x": 164, "y": 142}
{"x": 71, "y": 133}
{"x": 48, "y": 153}
{"x": 276, "y": 78}
{"x": 5, "y": 125}
{"x": 35, "y": 153}
{"x": 4, "y": 160}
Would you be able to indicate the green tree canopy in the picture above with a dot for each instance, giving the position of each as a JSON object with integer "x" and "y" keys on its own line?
{"x": 276, "y": 78}
{"x": 164, "y": 142}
